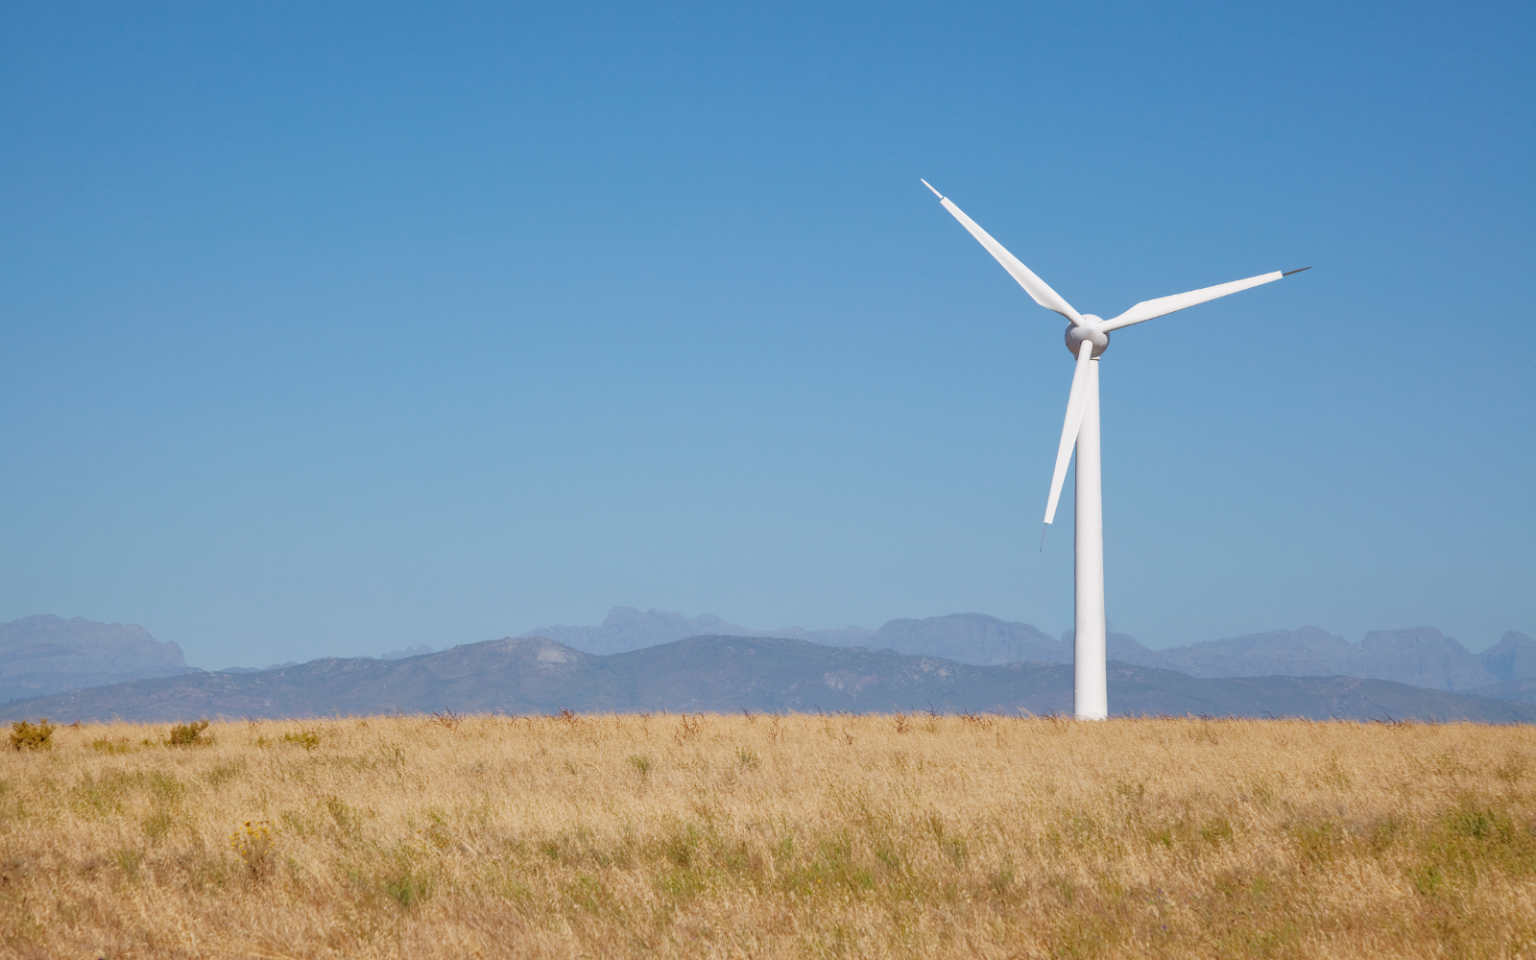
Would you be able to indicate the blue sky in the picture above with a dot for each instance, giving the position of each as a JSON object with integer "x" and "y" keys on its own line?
{"x": 332, "y": 328}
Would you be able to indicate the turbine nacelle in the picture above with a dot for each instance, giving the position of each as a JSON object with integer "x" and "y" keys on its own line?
{"x": 1078, "y": 332}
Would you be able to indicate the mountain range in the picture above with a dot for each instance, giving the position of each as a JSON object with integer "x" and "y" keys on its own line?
{"x": 1420, "y": 656}
{"x": 728, "y": 674}
{"x": 45, "y": 655}
{"x": 627, "y": 628}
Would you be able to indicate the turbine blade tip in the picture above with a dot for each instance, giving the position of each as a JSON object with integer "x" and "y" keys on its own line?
{"x": 1289, "y": 272}
{"x": 930, "y": 187}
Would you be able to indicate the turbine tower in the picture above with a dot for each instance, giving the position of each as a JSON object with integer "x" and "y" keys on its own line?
{"x": 1087, "y": 338}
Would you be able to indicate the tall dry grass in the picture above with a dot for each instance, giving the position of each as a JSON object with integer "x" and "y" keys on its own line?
{"x": 617, "y": 836}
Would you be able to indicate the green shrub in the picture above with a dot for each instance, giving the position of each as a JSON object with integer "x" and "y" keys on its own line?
{"x": 407, "y": 886}
{"x": 190, "y": 734}
{"x": 305, "y": 738}
{"x": 27, "y": 736}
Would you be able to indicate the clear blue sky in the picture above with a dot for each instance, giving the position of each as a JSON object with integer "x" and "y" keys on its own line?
{"x": 328, "y": 329}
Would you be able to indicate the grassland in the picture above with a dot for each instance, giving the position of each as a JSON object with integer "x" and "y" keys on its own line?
{"x": 803, "y": 836}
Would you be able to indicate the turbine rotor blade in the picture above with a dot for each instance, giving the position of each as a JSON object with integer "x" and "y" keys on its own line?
{"x": 1033, "y": 285}
{"x": 1151, "y": 309}
{"x": 1077, "y": 405}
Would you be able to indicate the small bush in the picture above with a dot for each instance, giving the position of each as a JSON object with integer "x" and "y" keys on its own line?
{"x": 28, "y": 736}
{"x": 225, "y": 772}
{"x": 103, "y": 745}
{"x": 404, "y": 881}
{"x": 252, "y": 843}
{"x": 304, "y": 738}
{"x": 159, "y": 823}
{"x": 190, "y": 735}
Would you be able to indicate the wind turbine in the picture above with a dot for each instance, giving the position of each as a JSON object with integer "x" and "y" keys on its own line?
{"x": 1087, "y": 338}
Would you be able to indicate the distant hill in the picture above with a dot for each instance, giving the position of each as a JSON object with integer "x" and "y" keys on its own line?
{"x": 1523, "y": 690}
{"x": 728, "y": 674}
{"x": 973, "y": 638}
{"x": 47, "y": 654}
{"x": 1513, "y": 662}
{"x": 1421, "y": 656}
{"x": 627, "y": 628}
{"x": 1512, "y": 658}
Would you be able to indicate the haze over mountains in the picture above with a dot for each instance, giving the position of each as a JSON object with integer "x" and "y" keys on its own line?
{"x": 728, "y": 674}
{"x": 1420, "y": 656}
{"x": 46, "y": 654}
{"x": 626, "y": 629}
{"x": 969, "y": 661}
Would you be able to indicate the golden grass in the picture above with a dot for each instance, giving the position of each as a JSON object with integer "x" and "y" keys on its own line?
{"x": 714, "y": 836}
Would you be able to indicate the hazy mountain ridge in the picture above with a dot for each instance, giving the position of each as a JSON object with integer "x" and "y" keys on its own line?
{"x": 46, "y": 654}
{"x": 728, "y": 674}
{"x": 1420, "y": 656}
{"x": 973, "y": 638}
{"x": 1522, "y": 690}
{"x": 627, "y": 628}
{"x": 1512, "y": 658}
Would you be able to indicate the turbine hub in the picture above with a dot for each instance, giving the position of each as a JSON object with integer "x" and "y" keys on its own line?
{"x": 1077, "y": 334}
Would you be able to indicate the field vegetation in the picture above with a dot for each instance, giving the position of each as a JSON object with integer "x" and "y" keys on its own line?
{"x": 764, "y": 836}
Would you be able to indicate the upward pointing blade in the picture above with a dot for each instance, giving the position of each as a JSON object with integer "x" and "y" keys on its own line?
{"x": 1077, "y": 405}
{"x": 1033, "y": 285}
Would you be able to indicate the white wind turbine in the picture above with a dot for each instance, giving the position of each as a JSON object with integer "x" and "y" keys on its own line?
{"x": 1087, "y": 337}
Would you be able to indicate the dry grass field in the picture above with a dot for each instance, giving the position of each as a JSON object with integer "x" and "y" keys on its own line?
{"x": 803, "y": 836}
